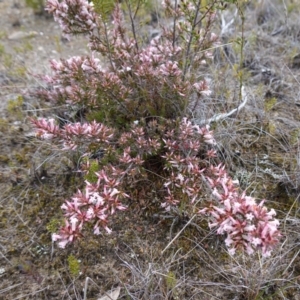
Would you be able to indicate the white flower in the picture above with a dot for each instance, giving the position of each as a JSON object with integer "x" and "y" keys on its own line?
{"x": 256, "y": 241}
{"x": 249, "y": 216}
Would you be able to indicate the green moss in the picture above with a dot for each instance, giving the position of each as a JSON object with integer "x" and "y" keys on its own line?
{"x": 4, "y": 125}
{"x": 19, "y": 71}
{"x": 74, "y": 265}
{"x": 3, "y": 34}
{"x": 53, "y": 225}
{"x": 27, "y": 46}
{"x": 4, "y": 159}
{"x": 2, "y": 50}
{"x": 252, "y": 39}
{"x": 15, "y": 104}
{"x": 270, "y": 103}
{"x": 171, "y": 280}
{"x": 57, "y": 41}
{"x": 294, "y": 136}
{"x": 35, "y": 4}
{"x": 292, "y": 7}
{"x": 94, "y": 167}
{"x": 271, "y": 128}
{"x": 24, "y": 48}
{"x": 7, "y": 60}
{"x": 19, "y": 157}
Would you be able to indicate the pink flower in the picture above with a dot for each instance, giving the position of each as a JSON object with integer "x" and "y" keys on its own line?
{"x": 201, "y": 87}
{"x": 46, "y": 129}
{"x": 143, "y": 90}
{"x": 73, "y": 15}
{"x": 69, "y": 233}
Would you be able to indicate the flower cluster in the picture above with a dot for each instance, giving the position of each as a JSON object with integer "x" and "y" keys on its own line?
{"x": 186, "y": 153}
{"x": 100, "y": 199}
{"x": 142, "y": 103}
{"x": 73, "y": 135}
{"x": 74, "y": 16}
{"x": 156, "y": 73}
{"x": 183, "y": 162}
{"x": 94, "y": 205}
{"x": 248, "y": 225}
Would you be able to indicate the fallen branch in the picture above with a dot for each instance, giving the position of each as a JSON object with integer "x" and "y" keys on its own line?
{"x": 223, "y": 116}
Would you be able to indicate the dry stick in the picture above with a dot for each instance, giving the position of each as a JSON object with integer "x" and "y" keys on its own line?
{"x": 291, "y": 262}
{"x": 87, "y": 279}
{"x": 177, "y": 235}
{"x": 218, "y": 117}
{"x": 86, "y": 286}
{"x": 225, "y": 26}
{"x": 10, "y": 288}
{"x": 292, "y": 206}
{"x": 6, "y": 258}
{"x": 285, "y": 11}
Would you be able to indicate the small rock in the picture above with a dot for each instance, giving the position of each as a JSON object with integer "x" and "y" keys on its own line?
{"x": 16, "y": 23}
{"x": 296, "y": 61}
{"x": 17, "y": 35}
{"x": 154, "y": 33}
{"x": 53, "y": 293}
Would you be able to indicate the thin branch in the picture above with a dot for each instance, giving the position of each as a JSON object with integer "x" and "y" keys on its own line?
{"x": 108, "y": 46}
{"x": 10, "y": 288}
{"x": 132, "y": 24}
{"x": 223, "y": 116}
{"x": 191, "y": 39}
{"x": 196, "y": 22}
{"x": 178, "y": 234}
{"x": 174, "y": 26}
{"x": 225, "y": 26}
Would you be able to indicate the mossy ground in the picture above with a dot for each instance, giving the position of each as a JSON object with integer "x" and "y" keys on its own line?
{"x": 260, "y": 145}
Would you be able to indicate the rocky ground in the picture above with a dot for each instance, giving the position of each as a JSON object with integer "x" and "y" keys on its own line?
{"x": 260, "y": 145}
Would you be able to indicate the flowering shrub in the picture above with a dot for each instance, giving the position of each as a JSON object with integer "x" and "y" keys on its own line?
{"x": 138, "y": 110}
